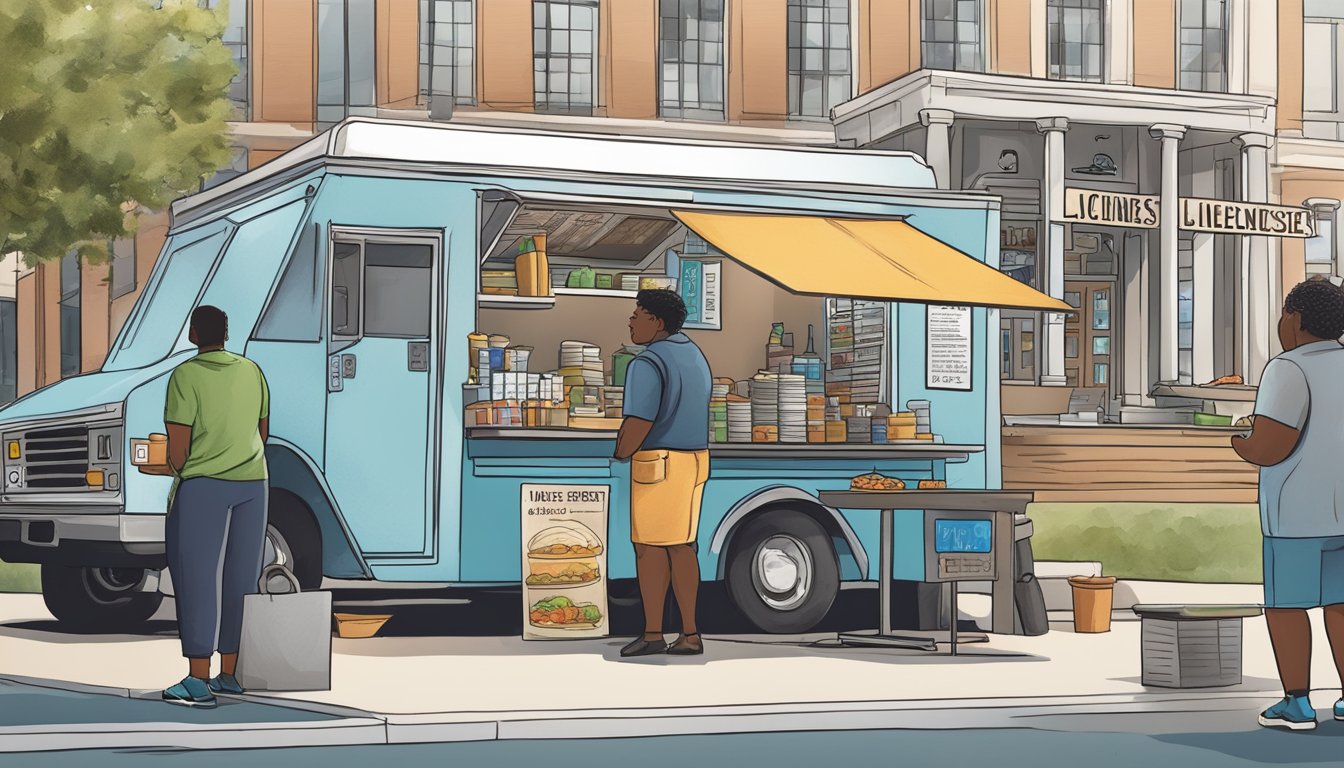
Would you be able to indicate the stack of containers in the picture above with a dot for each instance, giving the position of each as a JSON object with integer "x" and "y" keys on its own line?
{"x": 835, "y": 422}
{"x": 765, "y": 407}
{"x": 739, "y": 419}
{"x": 792, "y": 409}
{"x": 476, "y": 342}
{"x": 859, "y": 427}
{"x": 613, "y": 401}
{"x": 923, "y": 423}
{"x": 901, "y": 426}
{"x": 718, "y": 411}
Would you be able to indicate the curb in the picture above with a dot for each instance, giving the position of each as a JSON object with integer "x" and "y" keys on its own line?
{"x": 347, "y": 728}
{"x": 355, "y": 727}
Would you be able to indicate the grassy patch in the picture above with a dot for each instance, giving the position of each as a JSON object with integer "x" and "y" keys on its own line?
{"x": 19, "y": 577}
{"x": 1211, "y": 543}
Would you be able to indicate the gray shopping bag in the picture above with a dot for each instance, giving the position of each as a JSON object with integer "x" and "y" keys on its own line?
{"x": 286, "y": 643}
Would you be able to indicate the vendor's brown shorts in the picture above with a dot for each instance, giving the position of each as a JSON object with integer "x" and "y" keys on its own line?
{"x": 665, "y": 492}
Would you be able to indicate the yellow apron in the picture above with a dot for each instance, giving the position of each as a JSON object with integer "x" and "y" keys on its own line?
{"x": 665, "y": 492}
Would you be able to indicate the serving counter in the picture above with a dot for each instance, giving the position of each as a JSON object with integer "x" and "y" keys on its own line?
{"x": 909, "y": 450}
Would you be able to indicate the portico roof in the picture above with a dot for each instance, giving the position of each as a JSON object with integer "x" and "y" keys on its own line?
{"x": 895, "y": 106}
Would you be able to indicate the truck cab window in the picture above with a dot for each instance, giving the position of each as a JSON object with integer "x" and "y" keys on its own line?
{"x": 345, "y": 289}
{"x": 295, "y": 311}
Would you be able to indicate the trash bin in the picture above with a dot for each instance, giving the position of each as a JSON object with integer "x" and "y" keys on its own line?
{"x": 1093, "y": 597}
{"x": 1032, "y": 618}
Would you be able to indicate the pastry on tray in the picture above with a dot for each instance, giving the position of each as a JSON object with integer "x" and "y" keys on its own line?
{"x": 876, "y": 482}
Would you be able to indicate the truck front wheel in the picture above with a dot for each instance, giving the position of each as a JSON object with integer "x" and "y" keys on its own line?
{"x": 98, "y": 599}
{"x": 783, "y": 573}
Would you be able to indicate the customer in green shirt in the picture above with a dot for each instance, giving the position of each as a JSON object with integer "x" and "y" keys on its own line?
{"x": 216, "y": 412}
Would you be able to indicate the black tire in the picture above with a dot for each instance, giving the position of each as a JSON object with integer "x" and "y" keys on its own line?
{"x": 291, "y": 526}
{"x": 97, "y": 599}
{"x": 790, "y": 611}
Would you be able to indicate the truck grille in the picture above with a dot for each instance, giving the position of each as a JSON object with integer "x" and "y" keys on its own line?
{"x": 56, "y": 458}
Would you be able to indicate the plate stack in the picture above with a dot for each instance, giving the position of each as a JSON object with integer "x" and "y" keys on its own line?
{"x": 581, "y": 364}
{"x": 739, "y": 419}
{"x": 718, "y": 412}
{"x": 923, "y": 424}
{"x": 792, "y": 409}
{"x": 765, "y": 407}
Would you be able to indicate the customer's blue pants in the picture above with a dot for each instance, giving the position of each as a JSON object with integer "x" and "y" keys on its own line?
{"x": 216, "y": 537}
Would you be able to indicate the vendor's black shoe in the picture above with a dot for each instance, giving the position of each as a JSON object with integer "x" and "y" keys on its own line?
{"x": 687, "y": 645}
{"x": 642, "y": 647}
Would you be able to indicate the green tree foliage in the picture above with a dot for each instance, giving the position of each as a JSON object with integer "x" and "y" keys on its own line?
{"x": 105, "y": 105}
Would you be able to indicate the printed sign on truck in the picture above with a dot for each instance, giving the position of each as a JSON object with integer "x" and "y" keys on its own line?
{"x": 564, "y": 547}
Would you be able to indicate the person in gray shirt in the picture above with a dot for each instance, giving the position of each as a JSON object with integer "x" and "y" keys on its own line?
{"x": 1297, "y": 440}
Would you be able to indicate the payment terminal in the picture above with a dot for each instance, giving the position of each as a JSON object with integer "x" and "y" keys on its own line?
{"x": 958, "y": 546}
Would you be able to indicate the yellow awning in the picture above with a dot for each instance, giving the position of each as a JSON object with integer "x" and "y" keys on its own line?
{"x": 863, "y": 259}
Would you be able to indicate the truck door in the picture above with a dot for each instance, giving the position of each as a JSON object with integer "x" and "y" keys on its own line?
{"x": 382, "y": 416}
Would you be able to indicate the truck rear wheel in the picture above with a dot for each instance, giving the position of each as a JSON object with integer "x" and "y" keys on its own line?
{"x": 783, "y": 573}
{"x": 98, "y": 599}
{"x": 293, "y": 538}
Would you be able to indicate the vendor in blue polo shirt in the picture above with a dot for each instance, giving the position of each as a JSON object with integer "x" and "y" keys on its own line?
{"x": 665, "y": 435}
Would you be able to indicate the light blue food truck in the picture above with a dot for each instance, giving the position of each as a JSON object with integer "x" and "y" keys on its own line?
{"x": 352, "y": 268}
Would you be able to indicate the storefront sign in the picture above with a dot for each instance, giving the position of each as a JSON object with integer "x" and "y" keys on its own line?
{"x": 1227, "y": 217}
{"x": 564, "y": 546}
{"x": 1224, "y": 217}
{"x": 1112, "y": 208}
{"x": 948, "y": 362}
{"x": 702, "y": 289}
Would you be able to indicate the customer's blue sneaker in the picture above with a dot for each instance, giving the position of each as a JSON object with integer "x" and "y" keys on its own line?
{"x": 1339, "y": 709}
{"x": 1294, "y": 713}
{"x": 191, "y": 692}
{"x": 225, "y": 683}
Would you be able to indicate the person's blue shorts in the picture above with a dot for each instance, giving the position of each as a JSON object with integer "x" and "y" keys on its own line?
{"x": 1304, "y": 573}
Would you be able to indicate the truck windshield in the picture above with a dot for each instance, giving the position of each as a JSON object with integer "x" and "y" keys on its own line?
{"x": 159, "y": 319}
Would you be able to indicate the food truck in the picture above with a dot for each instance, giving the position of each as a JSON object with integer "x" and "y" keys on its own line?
{"x": 441, "y": 315}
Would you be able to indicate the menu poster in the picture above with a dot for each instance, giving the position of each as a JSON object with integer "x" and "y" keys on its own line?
{"x": 564, "y": 548}
{"x": 949, "y": 347}
{"x": 701, "y": 289}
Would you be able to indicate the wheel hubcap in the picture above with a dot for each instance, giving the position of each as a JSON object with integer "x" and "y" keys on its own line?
{"x": 782, "y": 572}
{"x": 112, "y": 585}
{"x": 277, "y": 552}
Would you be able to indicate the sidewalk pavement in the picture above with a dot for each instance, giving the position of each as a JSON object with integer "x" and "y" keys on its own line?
{"x": 407, "y": 689}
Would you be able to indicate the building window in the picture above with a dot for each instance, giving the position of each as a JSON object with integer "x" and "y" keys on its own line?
{"x": 564, "y": 56}
{"x": 1203, "y": 45}
{"x": 9, "y": 350}
{"x": 1185, "y": 315}
{"x": 1076, "y": 39}
{"x": 70, "y": 315}
{"x": 448, "y": 50}
{"x": 345, "y": 60}
{"x": 1322, "y": 250}
{"x": 950, "y": 35}
{"x": 1321, "y": 45}
{"x": 819, "y": 69}
{"x": 121, "y": 279}
{"x": 691, "y": 55}
{"x": 235, "y": 38}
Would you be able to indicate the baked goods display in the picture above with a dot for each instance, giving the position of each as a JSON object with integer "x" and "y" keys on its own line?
{"x": 931, "y": 485}
{"x": 1225, "y": 380}
{"x": 876, "y": 482}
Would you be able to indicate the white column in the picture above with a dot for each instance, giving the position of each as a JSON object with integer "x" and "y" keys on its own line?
{"x": 1052, "y": 249}
{"x": 1259, "y": 313}
{"x": 1204, "y": 342}
{"x": 1120, "y": 46}
{"x": 938, "y": 143}
{"x": 1168, "y": 257}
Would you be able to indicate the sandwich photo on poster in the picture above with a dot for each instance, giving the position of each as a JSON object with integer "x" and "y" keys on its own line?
{"x": 564, "y": 532}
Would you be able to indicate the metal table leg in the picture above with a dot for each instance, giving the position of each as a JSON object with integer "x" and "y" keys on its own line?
{"x": 952, "y": 619}
{"x": 884, "y": 637}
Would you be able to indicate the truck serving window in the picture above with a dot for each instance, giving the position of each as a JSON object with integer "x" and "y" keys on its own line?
{"x": 165, "y": 304}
